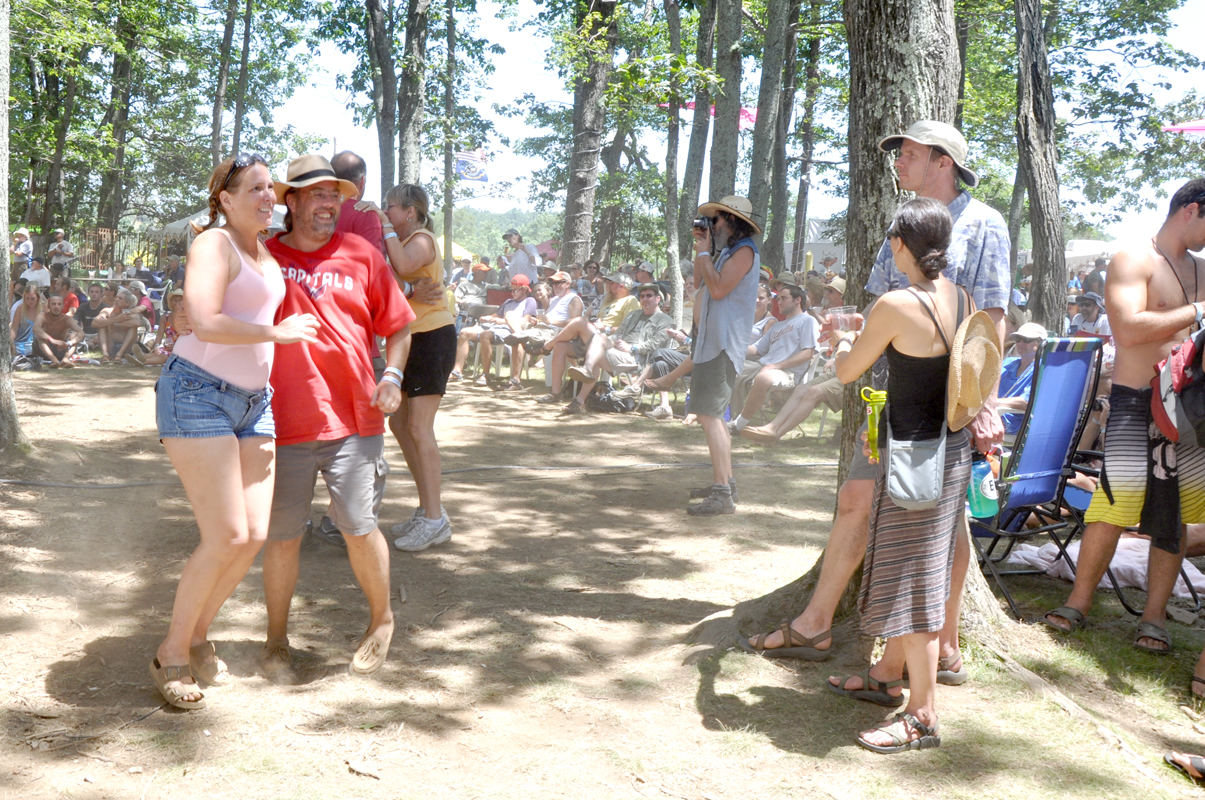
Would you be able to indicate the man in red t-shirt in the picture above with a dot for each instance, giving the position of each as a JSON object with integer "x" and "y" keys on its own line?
{"x": 330, "y": 411}
{"x": 350, "y": 167}
{"x": 62, "y": 287}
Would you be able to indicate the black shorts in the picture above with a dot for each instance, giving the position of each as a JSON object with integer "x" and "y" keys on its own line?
{"x": 432, "y": 356}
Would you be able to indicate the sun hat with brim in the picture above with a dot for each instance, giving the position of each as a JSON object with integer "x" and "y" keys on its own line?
{"x": 560, "y": 277}
{"x": 783, "y": 278}
{"x": 1030, "y": 330}
{"x": 623, "y": 279}
{"x": 308, "y": 170}
{"x": 766, "y": 274}
{"x": 1091, "y": 297}
{"x": 941, "y": 135}
{"x": 21, "y": 232}
{"x": 640, "y": 288}
{"x": 837, "y": 285}
{"x": 739, "y": 207}
{"x": 974, "y": 369}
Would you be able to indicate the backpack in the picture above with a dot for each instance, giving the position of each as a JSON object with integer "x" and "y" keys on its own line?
{"x": 1178, "y": 393}
{"x": 609, "y": 402}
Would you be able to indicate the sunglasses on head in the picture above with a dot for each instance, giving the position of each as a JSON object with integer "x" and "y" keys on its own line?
{"x": 242, "y": 161}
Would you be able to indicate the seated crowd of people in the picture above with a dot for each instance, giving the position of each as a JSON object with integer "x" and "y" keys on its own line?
{"x": 59, "y": 322}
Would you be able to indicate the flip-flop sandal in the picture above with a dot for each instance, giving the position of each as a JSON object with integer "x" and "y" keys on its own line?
{"x": 1196, "y": 762}
{"x": 371, "y": 653}
{"x": 1074, "y": 616}
{"x": 176, "y": 683}
{"x": 1195, "y": 680}
{"x": 945, "y": 675}
{"x": 759, "y": 436}
{"x": 794, "y": 645}
{"x": 1147, "y": 630}
{"x": 878, "y": 695}
{"x": 213, "y": 672}
{"x": 898, "y": 732}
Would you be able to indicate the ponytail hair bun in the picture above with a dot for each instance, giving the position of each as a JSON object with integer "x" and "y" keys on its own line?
{"x": 924, "y": 225}
{"x": 932, "y": 263}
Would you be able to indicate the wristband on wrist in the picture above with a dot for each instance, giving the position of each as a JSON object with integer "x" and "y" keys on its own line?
{"x": 1200, "y": 308}
{"x": 389, "y": 235}
{"x": 395, "y": 380}
{"x": 702, "y": 253}
{"x": 394, "y": 371}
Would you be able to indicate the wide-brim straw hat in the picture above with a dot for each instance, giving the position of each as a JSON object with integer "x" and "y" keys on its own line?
{"x": 739, "y": 207}
{"x": 941, "y": 135}
{"x": 974, "y": 369}
{"x": 308, "y": 170}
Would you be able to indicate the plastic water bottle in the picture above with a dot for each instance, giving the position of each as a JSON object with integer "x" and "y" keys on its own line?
{"x": 981, "y": 493}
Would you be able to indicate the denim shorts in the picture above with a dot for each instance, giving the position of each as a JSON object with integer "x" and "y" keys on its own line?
{"x": 191, "y": 403}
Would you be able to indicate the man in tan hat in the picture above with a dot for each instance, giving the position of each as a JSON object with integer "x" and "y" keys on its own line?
{"x": 931, "y": 162}
{"x": 20, "y": 252}
{"x": 1155, "y": 297}
{"x": 328, "y": 405}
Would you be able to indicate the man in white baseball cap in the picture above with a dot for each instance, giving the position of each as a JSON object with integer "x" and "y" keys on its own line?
{"x": 930, "y": 161}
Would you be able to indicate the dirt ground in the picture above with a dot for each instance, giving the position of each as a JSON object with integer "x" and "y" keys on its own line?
{"x": 538, "y": 654}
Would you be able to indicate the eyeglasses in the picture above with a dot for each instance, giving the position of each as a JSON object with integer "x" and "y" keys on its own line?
{"x": 242, "y": 161}
{"x": 324, "y": 196}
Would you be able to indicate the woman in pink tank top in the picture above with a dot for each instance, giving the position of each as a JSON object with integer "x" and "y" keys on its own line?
{"x": 213, "y": 408}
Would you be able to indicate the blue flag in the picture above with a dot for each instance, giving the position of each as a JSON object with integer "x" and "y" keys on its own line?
{"x": 470, "y": 165}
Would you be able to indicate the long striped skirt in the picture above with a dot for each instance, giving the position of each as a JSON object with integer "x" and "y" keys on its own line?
{"x": 909, "y": 555}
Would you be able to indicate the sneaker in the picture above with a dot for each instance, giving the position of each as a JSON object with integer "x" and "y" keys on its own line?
{"x": 718, "y": 502}
{"x": 732, "y": 429}
{"x": 660, "y": 413}
{"x": 574, "y": 407}
{"x": 631, "y": 390}
{"x": 482, "y": 380}
{"x": 580, "y": 375}
{"x": 705, "y": 491}
{"x": 328, "y": 533}
{"x": 425, "y": 533}
{"x": 550, "y": 398}
{"x": 276, "y": 663}
{"x": 534, "y": 347}
{"x": 402, "y": 528}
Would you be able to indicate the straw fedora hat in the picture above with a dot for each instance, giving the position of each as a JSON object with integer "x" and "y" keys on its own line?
{"x": 739, "y": 207}
{"x": 308, "y": 170}
{"x": 974, "y": 369}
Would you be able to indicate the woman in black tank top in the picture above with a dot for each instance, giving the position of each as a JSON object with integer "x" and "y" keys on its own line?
{"x": 909, "y": 557}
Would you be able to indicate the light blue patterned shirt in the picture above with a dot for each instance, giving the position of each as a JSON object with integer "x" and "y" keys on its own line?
{"x": 977, "y": 256}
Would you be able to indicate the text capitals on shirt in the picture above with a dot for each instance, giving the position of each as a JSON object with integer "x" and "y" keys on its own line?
{"x": 318, "y": 282}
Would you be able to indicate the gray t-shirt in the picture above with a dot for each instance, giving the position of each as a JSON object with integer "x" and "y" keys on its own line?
{"x": 787, "y": 338}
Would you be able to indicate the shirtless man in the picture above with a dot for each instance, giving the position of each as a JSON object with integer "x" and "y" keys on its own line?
{"x": 1154, "y": 299}
{"x": 57, "y": 334}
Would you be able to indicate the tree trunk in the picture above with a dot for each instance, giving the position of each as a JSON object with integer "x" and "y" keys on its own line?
{"x": 673, "y": 272}
{"x": 412, "y": 94}
{"x": 1016, "y": 213}
{"x": 54, "y": 176}
{"x": 608, "y": 218}
{"x": 384, "y": 86}
{"x": 897, "y": 85}
{"x": 769, "y": 102}
{"x": 696, "y": 151}
{"x": 449, "y": 111}
{"x": 240, "y": 107}
{"x": 807, "y": 137}
{"x": 10, "y": 426}
{"x": 1038, "y": 157}
{"x": 962, "y": 30}
{"x": 725, "y": 139}
{"x": 112, "y": 195}
{"x": 219, "y": 97}
{"x": 780, "y": 182}
{"x": 597, "y": 24}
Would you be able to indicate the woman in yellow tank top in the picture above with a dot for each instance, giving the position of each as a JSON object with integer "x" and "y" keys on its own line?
{"x": 413, "y": 254}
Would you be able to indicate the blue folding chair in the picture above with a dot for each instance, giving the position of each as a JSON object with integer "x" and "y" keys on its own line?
{"x": 1034, "y": 479}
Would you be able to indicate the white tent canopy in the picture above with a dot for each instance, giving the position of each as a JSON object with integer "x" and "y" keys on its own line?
{"x": 183, "y": 228}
